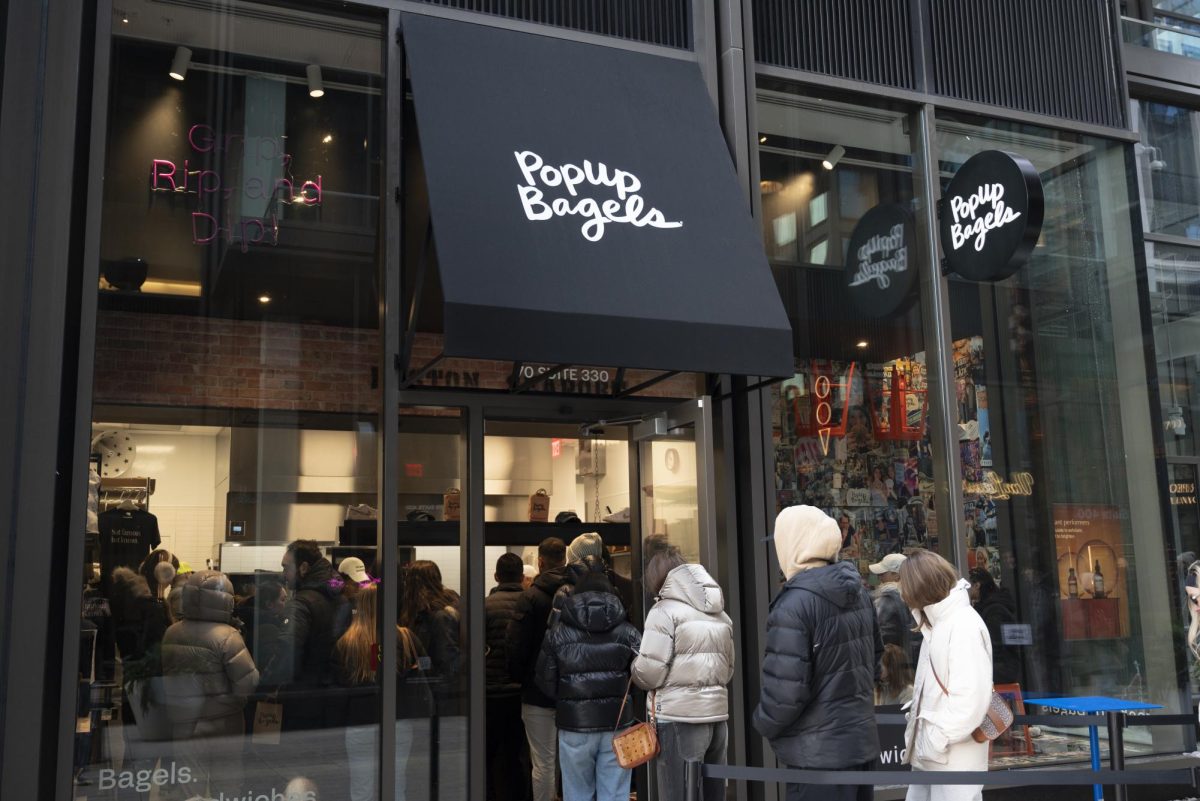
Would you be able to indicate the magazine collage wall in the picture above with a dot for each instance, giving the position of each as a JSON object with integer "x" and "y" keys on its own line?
{"x": 852, "y": 438}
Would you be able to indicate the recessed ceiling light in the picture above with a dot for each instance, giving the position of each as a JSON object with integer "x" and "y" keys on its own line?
{"x": 328, "y": 138}
{"x": 264, "y": 299}
{"x": 862, "y": 345}
{"x": 124, "y": 19}
{"x": 762, "y": 139}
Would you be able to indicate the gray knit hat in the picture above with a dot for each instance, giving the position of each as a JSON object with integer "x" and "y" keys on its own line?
{"x": 587, "y": 544}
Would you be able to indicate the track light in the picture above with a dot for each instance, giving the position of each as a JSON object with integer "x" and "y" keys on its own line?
{"x": 835, "y": 155}
{"x": 179, "y": 64}
{"x": 315, "y": 86}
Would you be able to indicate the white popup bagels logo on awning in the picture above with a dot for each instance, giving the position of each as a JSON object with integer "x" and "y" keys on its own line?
{"x": 574, "y": 184}
{"x": 991, "y": 216}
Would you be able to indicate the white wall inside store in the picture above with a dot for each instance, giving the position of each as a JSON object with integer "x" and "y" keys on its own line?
{"x": 184, "y": 468}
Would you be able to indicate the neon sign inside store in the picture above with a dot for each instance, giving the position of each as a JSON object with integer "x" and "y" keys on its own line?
{"x": 207, "y": 186}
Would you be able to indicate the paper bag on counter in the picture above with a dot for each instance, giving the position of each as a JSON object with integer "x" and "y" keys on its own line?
{"x": 452, "y": 504}
{"x": 539, "y": 507}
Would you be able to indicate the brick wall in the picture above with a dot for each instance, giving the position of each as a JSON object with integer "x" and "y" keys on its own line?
{"x": 178, "y": 360}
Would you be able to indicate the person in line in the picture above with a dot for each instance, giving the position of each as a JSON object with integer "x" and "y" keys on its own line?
{"x": 353, "y": 574}
{"x": 998, "y": 609}
{"x": 356, "y": 660}
{"x": 895, "y": 620}
{"x": 159, "y": 569}
{"x": 430, "y": 611}
{"x": 822, "y": 659}
{"x": 505, "y": 734}
{"x": 953, "y": 685}
{"x": 687, "y": 659}
{"x": 525, "y": 635}
{"x": 895, "y": 685}
{"x": 585, "y": 666}
{"x": 304, "y": 660}
{"x": 207, "y": 676}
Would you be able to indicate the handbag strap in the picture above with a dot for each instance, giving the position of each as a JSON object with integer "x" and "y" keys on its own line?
{"x": 625, "y": 699}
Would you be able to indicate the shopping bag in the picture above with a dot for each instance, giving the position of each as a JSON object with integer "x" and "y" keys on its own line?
{"x": 268, "y": 722}
{"x": 452, "y": 504}
{"x": 539, "y": 507}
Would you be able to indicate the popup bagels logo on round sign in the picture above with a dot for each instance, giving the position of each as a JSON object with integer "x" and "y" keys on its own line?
{"x": 991, "y": 216}
{"x": 881, "y": 270}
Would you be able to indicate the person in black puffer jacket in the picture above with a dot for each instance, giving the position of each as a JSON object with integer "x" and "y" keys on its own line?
{"x": 304, "y": 657}
{"x": 584, "y": 665}
{"x": 822, "y": 659}
{"x": 525, "y": 635}
{"x": 505, "y": 733}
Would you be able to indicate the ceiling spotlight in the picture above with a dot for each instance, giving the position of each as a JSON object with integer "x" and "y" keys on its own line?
{"x": 835, "y": 155}
{"x": 762, "y": 140}
{"x": 124, "y": 18}
{"x": 179, "y": 64}
{"x": 327, "y": 138}
{"x": 315, "y": 86}
{"x": 264, "y": 298}
{"x": 862, "y": 345}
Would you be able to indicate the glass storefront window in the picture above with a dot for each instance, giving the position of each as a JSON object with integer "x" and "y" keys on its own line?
{"x": 1051, "y": 374}
{"x": 229, "y": 625}
{"x": 850, "y": 429}
{"x": 1168, "y": 167}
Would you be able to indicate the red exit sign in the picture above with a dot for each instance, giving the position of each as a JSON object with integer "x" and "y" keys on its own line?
{"x": 414, "y": 470}
{"x": 555, "y": 448}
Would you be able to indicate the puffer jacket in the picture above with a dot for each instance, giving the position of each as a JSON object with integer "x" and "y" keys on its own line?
{"x": 140, "y": 619}
{"x": 687, "y": 651}
{"x": 305, "y": 654}
{"x": 585, "y": 660}
{"x": 527, "y": 632}
{"x": 817, "y": 706}
{"x": 957, "y": 647}
{"x": 208, "y": 673}
{"x": 500, "y": 609}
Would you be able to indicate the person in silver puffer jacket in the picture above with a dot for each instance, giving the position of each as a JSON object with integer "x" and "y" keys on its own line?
{"x": 687, "y": 658}
{"x": 208, "y": 675}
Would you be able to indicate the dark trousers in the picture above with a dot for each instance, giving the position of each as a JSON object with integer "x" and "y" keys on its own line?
{"x": 508, "y": 774}
{"x": 681, "y": 743}
{"x": 826, "y": 792}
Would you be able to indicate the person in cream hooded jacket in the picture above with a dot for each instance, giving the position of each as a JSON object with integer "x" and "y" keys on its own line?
{"x": 953, "y": 684}
{"x": 817, "y": 705}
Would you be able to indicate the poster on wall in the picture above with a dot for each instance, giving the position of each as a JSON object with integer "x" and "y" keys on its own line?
{"x": 850, "y": 438}
{"x": 1091, "y": 570}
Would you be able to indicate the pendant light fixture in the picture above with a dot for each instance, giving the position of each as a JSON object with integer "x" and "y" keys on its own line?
{"x": 316, "y": 87}
{"x": 179, "y": 64}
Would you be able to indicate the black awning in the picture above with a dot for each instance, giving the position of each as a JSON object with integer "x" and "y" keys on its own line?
{"x": 585, "y": 208}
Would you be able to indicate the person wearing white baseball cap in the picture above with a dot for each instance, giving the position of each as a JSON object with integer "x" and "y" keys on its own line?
{"x": 354, "y": 575}
{"x": 895, "y": 620}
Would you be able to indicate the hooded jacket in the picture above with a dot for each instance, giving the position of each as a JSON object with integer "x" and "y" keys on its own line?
{"x": 527, "y": 631}
{"x": 823, "y": 650}
{"x": 957, "y": 647}
{"x": 584, "y": 663}
{"x": 208, "y": 671}
{"x": 895, "y": 619}
{"x": 687, "y": 652}
{"x": 305, "y": 652}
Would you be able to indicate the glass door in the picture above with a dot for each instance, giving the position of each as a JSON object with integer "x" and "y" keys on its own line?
{"x": 675, "y": 483}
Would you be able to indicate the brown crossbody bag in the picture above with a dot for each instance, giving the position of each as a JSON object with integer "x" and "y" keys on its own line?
{"x": 638, "y": 744}
{"x": 997, "y": 720}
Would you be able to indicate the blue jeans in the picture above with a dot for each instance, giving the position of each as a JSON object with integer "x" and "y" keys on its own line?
{"x": 589, "y": 767}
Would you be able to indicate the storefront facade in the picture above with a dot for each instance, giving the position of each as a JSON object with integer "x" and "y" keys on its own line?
{"x": 377, "y": 274}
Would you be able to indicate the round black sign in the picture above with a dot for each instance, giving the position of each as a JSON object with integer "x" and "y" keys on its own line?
{"x": 881, "y": 270}
{"x": 991, "y": 216}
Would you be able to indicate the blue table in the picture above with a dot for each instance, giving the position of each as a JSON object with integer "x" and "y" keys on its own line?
{"x": 1095, "y": 705}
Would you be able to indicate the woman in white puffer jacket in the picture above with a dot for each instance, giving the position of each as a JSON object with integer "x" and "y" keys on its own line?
{"x": 953, "y": 684}
{"x": 687, "y": 658}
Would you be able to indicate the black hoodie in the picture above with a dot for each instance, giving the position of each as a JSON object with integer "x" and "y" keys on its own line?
{"x": 528, "y": 629}
{"x": 584, "y": 664}
{"x": 305, "y": 652}
{"x": 822, "y": 659}
{"x": 998, "y": 609}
